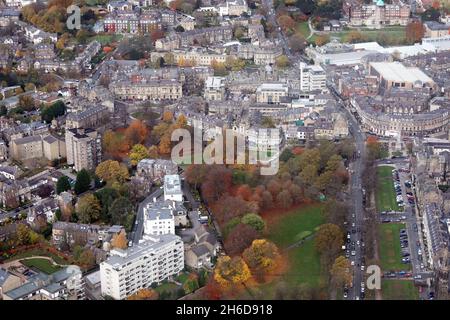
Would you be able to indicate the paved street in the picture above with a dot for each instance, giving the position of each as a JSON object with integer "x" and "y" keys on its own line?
{"x": 356, "y": 219}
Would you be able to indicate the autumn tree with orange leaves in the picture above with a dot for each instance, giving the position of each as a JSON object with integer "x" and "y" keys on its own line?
{"x": 119, "y": 240}
{"x": 415, "y": 31}
{"x": 230, "y": 272}
{"x": 144, "y": 294}
{"x": 137, "y": 132}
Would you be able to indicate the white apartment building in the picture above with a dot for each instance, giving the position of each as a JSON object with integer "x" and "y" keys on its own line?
{"x": 312, "y": 78}
{"x": 271, "y": 92}
{"x": 172, "y": 188}
{"x": 153, "y": 260}
{"x": 158, "y": 219}
{"x": 214, "y": 88}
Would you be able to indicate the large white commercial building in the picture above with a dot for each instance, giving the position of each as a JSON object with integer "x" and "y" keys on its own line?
{"x": 312, "y": 78}
{"x": 153, "y": 260}
{"x": 172, "y": 188}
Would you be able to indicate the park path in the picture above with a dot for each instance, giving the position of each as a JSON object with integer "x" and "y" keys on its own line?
{"x": 299, "y": 243}
{"x": 311, "y": 30}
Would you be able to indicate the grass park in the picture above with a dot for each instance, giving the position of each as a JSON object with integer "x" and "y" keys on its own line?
{"x": 391, "y": 35}
{"x": 41, "y": 264}
{"x": 399, "y": 290}
{"x": 390, "y": 250}
{"x": 304, "y": 261}
{"x": 386, "y": 196}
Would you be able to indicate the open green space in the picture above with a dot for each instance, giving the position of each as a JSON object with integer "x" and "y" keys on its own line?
{"x": 304, "y": 261}
{"x": 41, "y": 264}
{"x": 293, "y": 225}
{"x": 391, "y": 35}
{"x": 303, "y": 28}
{"x": 390, "y": 250}
{"x": 386, "y": 196}
{"x": 106, "y": 39}
{"x": 145, "y": 115}
{"x": 399, "y": 290}
{"x": 34, "y": 253}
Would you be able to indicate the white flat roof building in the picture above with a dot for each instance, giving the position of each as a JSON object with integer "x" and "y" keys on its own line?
{"x": 172, "y": 188}
{"x": 153, "y": 260}
{"x": 396, "y": 71}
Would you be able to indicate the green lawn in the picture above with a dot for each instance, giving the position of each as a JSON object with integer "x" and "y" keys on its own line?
{"x": 106, "y": 39}
{"x": 304, "y": 260}
{"x": 393, "y": 35}
{"x": 399, "y": 290}
{"x": 390, "y": 250}
{"x": 43, "y": 265}
{"x": 294, "y": 225}
{"x": 303, "y": 28}
{"x": 386, "y": 196}
{"x": 37, "y": 252}
{"x": 145, "y": 115}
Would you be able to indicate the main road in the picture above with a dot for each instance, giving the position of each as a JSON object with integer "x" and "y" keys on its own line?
{"x": 356, "y": 195}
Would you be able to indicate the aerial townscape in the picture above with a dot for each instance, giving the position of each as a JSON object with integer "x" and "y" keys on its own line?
{"x": 114, "y": 179}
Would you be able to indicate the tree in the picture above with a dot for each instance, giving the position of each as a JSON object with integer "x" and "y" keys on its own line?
{"x": 111, "y": 171}
{"x": 254, "y": 220}
{"x": 191, "y": 284}
{"x": 231, "y": 271}
{"x": 87, "y": 258}
{"x": 106, "y": 196}
{"x": 63, "y": 184}
{"x": 44, "y": 191}
{"x": 165, "y": 145}
{"x": 355, "y": 37}
{"x": 297, "y": 42}
{"x": 83, "y": 182}
{"x": 120, "y": 209}
{"x": 431, "y": 14}
{"x": 341, "y": 271}
{"x": 144, "y": 294}
{"x": 374, "y": 148}
{"x": 88, "y": 208}
{"x": 329, "y": 238}
{"x": 179, "y": 28}
{"x": 284, "y": 199}
{"x": 55, "y": 110}
{"x": 282, "y": 61}
{"x": 414, "y": 31}
{"x": 321, "y": 40}
{"x": 286, "y": 22}
{"x": 167, "y": 116}
{"x": 136, "y": 132}
{"x": 26, "y": 102}
{"x": 137, "y": 153}
{"x": 262, "y": 256}
{"x": 23, "y": 234}
{"x": 240, "y": 238}
{"x": 119, "y": 240}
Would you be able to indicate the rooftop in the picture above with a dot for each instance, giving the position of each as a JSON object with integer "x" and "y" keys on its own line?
{"x": 396, "y": 71}
{"x": 172, "y": 184}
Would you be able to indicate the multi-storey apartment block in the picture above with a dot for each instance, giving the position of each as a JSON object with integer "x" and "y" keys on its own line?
{"x": 153, "y": 260}
{"x": 83, "y": 148}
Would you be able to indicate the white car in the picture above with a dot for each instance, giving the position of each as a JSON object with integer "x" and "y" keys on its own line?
{"x": 352, "y": 263}
{"x": 419, "y": 252}
{"x": 362, "y": 268}
{"x": 353, "y": 253}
